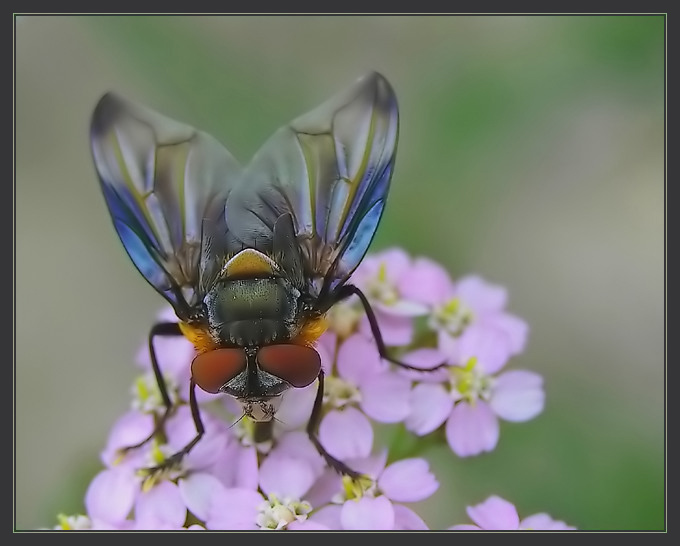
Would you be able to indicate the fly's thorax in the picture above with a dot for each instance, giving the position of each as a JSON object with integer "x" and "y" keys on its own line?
{"x": 252, "y": 311}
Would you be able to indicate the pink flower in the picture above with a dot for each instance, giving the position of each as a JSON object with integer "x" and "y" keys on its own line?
{"x": 470, "y": 401}
{"x": 363, "y": 379}
{"x": 472, "y": 320}
{"x": 497, "y": 514}
{"x": 374, "y": 502}
{"x": 110, "y": 498}
{"x": 119, "y": 498}
{"x": 379, "y": 276}
{"x": 228, "y": 481}
{"x": 286, "y": 476}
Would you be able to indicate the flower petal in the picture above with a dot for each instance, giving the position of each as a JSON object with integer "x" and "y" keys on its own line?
{"x": 396, "y": 261}
{"x": 296, "y": 407}
{"x": 518, "y": 395}
{"x": 306, "y": 525}
{"x": 238, "y": 468}
{"x": 408, "y": 480}
{"x": 285, "y": 476}
{"x": 368, "y": 514}
{"x": 160, "y": 506}
{"x": 472, "y": 430}
{"x": 430, "y": 406}
{"x": 111, "y": 494}
{"x": 371, "y": 466}
{"x": 400, "y": 309}
{"x": 406, "y": 519}
{"x": 297, "y": 444}
{"x": 211, "y": 449}
{"x": 358, "y": 358}
{"x": 488, "y": 344}
{"x": 385, "y": 397}
{"x": 480, "y": 295}
{"x": 325, "y": 346}
{"x": 329, "y": 516}
{"x": 427, "y": 360}
{"x": 175, "y": 353}
{"x": 515, "y": 328}
{"x": 234, "y": 509}
{"x": 180, "y": 428}
{"x": 326, "y": 486}
{"x": 395, "y": 329}
{"x": 494, "y": 514}
{"x": 129, "y": 430}
{"x": 197, "y": 492}
{"x": 346, "y": 434}
{"x": 424, "y": 359}
{"x": 426, "y": 282}
{"x": 543, "y": 522}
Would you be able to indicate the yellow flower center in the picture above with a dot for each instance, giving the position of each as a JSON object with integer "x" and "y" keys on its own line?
{"x": 275, "y": 513}
{"x": 470, "y": 383}
{"x": 339, "y": 393}
{"x": 380, "y": 288}
{"x": 453, "y": 317}
{"x": 356, "y": 488}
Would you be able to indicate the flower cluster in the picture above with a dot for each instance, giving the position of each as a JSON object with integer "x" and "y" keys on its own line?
{"x": 454, "y": 338}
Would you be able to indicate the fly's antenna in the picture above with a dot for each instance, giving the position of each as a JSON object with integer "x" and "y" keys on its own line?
{"x": 277, "y": 420}
{"x": 238, "y": 420}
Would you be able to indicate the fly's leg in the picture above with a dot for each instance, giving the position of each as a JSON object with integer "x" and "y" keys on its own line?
{"x": 160, "y": 329}
{"x": 154, "y": 473}
{"x": 312, "y": 427}
{"x": 349, "y": 290}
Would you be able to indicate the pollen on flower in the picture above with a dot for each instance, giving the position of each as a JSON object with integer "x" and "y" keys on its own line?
{"x": 157, "y": 455}
{"x": 380, "y": 288}
{"x": 343, "y": 318}
{"x": 146, "y": 396}
{"x": 73, "y": 523}
{"x": 453, "y": 317}
{"x": 356, "y": 488}
{"x": 338, "y": 393}
{"x": 470, "y": 383}
{"x": 275, "y": 513}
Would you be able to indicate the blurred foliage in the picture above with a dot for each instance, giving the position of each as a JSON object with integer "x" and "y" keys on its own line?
{"x": 531, "y": 153}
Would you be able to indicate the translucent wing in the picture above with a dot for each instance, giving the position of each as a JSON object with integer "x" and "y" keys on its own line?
{"x": 330, "y": 169}
{"x": 164, "y": 183}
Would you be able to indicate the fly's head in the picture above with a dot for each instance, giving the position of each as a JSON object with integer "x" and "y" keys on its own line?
{"x": 256, "y": 376}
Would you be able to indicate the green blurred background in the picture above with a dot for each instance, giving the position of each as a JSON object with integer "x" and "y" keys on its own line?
{"x": 531, "y": 152}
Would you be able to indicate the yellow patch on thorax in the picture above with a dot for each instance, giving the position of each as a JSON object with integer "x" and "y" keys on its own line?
{"x": 199, "y": 336}
{"x": 249, "y": 262}
{"x": 311, "y": 331}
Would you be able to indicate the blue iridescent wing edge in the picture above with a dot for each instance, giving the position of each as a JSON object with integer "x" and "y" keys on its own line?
{"x": 161, "y": 181}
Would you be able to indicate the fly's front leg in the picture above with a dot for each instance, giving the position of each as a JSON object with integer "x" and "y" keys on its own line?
{"x": 172, "y": 463}
{"x": 312, "y": 427}
{"x": 166, "y": 329}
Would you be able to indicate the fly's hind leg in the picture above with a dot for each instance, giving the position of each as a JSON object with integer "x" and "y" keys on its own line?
{"x": 348, "y": 290}
{"x": 165, "y": 329}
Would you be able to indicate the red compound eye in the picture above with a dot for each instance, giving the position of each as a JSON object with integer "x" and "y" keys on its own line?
{"x": 213, "y": 369}
{"x": 297, "y": 364}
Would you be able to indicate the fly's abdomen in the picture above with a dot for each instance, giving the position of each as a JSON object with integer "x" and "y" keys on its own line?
{"x": 252, "y": 312}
